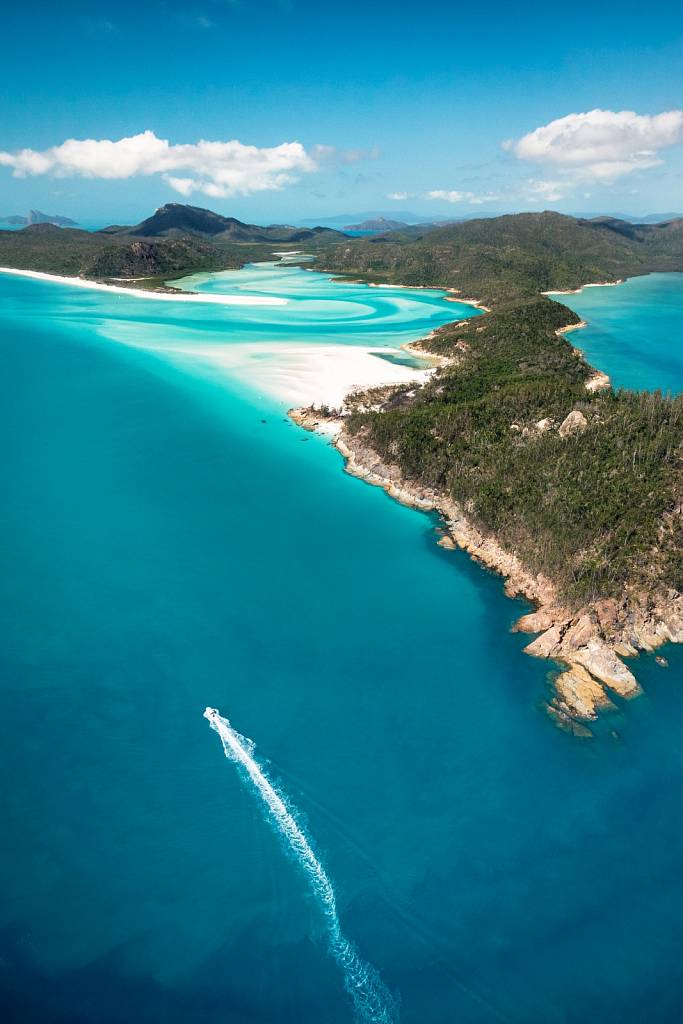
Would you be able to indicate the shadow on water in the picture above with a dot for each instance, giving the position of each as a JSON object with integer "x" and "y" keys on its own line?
{"x": 107, "y": 991}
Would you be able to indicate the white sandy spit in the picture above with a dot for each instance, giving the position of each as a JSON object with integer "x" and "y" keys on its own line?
{"x": 576, "y": 291}
{"x": 303, "y": 374}
{"x": 140, "y": 293}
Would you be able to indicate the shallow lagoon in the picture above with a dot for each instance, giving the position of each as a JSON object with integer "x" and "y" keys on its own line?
{"x": 164, "y": 549}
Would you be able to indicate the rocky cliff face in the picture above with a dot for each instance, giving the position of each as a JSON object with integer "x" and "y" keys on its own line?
{"x": 590, "y": 641}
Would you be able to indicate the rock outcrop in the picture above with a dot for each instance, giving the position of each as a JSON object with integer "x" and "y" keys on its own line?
{"x": 574, "y": 423}
{"x": 578, "y": 694}
{"x": 604, "y": 665}
{"x": 590, "y": 642}
{"x": 598, "y": 381}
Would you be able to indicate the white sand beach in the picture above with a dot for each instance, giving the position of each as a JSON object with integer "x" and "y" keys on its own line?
{"x": 141, "y": 293}
{"x": 576, "y": 291}
{"x": 305, "y": 374}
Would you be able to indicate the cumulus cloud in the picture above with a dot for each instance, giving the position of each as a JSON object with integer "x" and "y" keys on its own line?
{"x": 399, "y": 197}
{"x": 602, "y": 145}
{"x": 217, "y": 169}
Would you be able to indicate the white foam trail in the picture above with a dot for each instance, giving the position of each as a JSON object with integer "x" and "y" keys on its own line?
{"x": 372, "y": 1001}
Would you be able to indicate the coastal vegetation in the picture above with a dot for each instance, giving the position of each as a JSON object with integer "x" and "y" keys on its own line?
{"x": 505, "y": 258}
{"x": 73, "y": 252}
{"x": 590, "y": 508}
{"x": 176, "y": 240}
{"x": 571, "y": 489}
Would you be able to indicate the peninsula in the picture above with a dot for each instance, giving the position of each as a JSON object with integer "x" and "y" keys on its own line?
{"x": 544, "y": 473}
{"x": 570, "y": 489}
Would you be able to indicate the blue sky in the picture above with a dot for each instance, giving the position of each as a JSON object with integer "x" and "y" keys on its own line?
{"x": 384, "y": 100}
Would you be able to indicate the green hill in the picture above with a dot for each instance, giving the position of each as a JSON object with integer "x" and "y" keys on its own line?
{"x": 177, "y": 219}
{"x": 76, "y": 253}
{"x": 503, "y": 258}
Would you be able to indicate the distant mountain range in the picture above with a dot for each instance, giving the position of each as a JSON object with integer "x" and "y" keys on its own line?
{"x": 176, "y": 219}
{"x": 649, "y": 218}
{"x": 657, "y": 218}
{"x": 377, "y": 224}
{"x": 340, "y": 220}
{"x": 38, "y": 217}
{"x": 354, "y": 221}
{"x": 494, "y": 259}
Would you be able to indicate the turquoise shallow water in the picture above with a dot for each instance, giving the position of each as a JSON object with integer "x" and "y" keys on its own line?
{"x": 635, "y": 331}
{"x": 163, "y": 549}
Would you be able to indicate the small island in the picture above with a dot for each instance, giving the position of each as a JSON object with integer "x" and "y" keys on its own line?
{"x": 377, "y": 225}
{"x": 38, "y": 217}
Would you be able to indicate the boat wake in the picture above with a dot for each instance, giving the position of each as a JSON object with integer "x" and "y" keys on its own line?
{"x": 372, "y": 1001}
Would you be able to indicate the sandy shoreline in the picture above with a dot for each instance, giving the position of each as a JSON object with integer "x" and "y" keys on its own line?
{"x": 452, "y": 294}
{"x": 593, "y": 284}
{"x": 306, "y": 374}
{"x": 598, "y": 380}
{"x": 298, "y": 374}
{"x": 141, "y": 293}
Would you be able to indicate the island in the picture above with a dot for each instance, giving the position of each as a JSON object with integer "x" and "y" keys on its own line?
{"x": 38, "y": 217}
{"x": 377, "y": 225}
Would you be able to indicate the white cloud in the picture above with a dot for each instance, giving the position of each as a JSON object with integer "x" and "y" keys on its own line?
{"x": 323, "y": 152}
{"x": 183, "y": 185}
{"x": 455, "y": 196}
{"x": 601, "y": 145}
{"x": 548, "y": 191}
{"x": 344, "y": 156}
{"x": 448, "y": 195}
{"x": 218, "y": 169}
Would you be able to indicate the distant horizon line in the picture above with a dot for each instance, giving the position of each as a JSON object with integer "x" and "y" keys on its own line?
{"x": 409, "y": 218}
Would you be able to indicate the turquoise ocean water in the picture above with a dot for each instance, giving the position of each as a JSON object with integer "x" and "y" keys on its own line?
{"x": 164, "y": 548}
{"x": 635, "y": 331}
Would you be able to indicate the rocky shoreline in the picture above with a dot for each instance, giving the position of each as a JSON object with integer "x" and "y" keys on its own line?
{"x": 589, "y": 642}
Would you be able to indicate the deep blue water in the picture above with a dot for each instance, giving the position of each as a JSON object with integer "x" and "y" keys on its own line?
{"x": 164, "y": 549}
{"x": 635, "y": 331}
